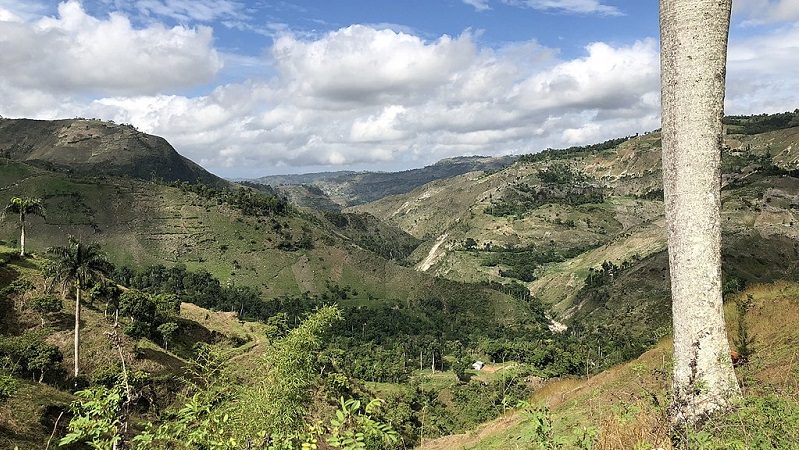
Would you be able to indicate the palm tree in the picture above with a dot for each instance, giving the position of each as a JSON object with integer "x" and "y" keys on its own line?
{"x": 77, "y": 264}
{"x": 694, "y": 37}
{"x": 24, "y": 206}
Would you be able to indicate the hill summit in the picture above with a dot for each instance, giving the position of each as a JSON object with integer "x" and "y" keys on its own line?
{"x": 86, "y": 147}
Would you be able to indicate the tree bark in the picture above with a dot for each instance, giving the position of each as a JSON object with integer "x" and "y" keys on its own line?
{"x": 22, "y": 234}
{"x": 694, "y": 37}
{"x": 77, "y": 330}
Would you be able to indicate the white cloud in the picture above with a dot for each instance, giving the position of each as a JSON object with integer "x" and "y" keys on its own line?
{"x": 75, "y": 53}
{"x": 185, "y": 11}
{"x": 568, "y": 6}
{"x": 760, "y": 72}
{"x": 379, "y": 128}
{"x": 362, "y": 97}
{"x": 479, "y": 5}
{"x": 361, "y": 65}
{"x": 759, "y": 12}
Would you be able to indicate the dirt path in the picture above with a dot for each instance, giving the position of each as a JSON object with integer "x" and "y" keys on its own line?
{"x": 431, "y": 257}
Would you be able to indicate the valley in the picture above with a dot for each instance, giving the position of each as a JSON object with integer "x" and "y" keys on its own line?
{"x": 391, "y": 294}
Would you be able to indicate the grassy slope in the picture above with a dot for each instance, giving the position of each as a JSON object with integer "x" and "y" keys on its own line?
{"x": 760, "y": 219}
{"x": 140, "y": 223}
{"x": 620, "y": 401}
{"x": 28, "y": 417}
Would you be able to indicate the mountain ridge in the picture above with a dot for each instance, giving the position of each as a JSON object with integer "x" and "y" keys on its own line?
{"x": 92, "y": 147}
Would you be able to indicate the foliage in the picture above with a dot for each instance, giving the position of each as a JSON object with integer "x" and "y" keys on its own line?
{"x": 479, "y": 402}
{"x": 552, "y": 154}
{"x": 218, "y": 414}
{"x": 757, "y": 422}
{"x": 542, "y": 434}
{"x": 29, "y": 354}
{"x": 8, "y": 386}
{"x": 17, "y": 286}
{"x": 288, "y": 370}
{"x": 560, "y": 184}
{"x": 77, "y": 263}
{"x": 355, "y": 428}
{"x": 24, "y": 206}
{"x": 96, "y": 418}
{"x": 140, "y": 307}
{"x": 744, "y": 342}
{"x": 520, "y": 198}
{"x": 173, "y": 285}
{"x": 200, "y": 420}
{"x": 107, "y": 291}
{"x": 46, "y": 305}
{"x": 369, "y": 233}
{"x": 166, "y": 330}
{"x": 521, "y": 263}
{"x": 762, "y": 123}
{"x": 249, "y": 201}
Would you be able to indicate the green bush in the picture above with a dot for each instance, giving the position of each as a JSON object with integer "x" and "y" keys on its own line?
{"x": 758, "y": 422}
{"x": 8, "y": 386}
{"x": 30, "y": 355}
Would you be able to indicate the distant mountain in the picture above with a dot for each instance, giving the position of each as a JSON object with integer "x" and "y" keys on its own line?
{"x": 94, "y": 147}
{"x": 356, "y": 188}
{"x": 302, "y": 178}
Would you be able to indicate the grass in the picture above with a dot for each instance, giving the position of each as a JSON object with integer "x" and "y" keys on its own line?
{"x": 27, "y": 419}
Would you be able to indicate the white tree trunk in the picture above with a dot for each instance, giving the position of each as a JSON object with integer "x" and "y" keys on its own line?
{"x": 693, "y": 69}
{"x": 77, "y": 330}
{"x": 22, "y": 235}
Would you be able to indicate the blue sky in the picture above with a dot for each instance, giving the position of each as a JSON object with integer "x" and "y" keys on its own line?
{"x": 257, "y": 87}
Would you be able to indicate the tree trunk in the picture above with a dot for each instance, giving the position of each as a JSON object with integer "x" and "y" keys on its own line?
{"x": 22, "y": 235}
{"x": 77, "y": 330}
{"x": 693, "y": 67}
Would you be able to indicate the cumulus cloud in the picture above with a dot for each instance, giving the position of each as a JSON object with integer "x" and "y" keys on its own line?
{"x": 358, "y": 97}
{"x": 380, "y": 104}
{"x": 80, "y": 54}
{"x": 363, "y": 65}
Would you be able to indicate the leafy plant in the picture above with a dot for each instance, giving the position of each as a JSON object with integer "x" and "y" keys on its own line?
{"x": 8, "y": 386}
{"x": 353, "y": 428}
{"x": 744, "y": 342}
{"x": 96, "y": 418}
{"x": 542, "y": 434}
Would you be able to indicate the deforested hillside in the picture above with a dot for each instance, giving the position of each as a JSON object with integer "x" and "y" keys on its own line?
{"x": 583, "y": 228}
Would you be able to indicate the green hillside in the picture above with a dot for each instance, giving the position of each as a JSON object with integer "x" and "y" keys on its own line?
{"x": 242, "y": 315}
{"x": 583, "y": 228}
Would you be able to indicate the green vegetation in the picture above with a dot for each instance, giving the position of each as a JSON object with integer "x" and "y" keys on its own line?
{"x": 235, "y": 319}
{"x": 560, "y": 184}
{"x": 523, "y": 262}
{"x": 762, "y": 123}
{"x": 553, "y": 154}
{"x": 249, "y": 201}
{"x": 79, "y": 265}
{"x": 24, "y": 206}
